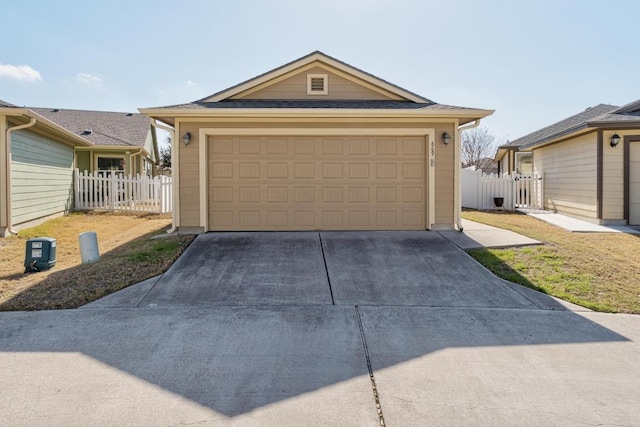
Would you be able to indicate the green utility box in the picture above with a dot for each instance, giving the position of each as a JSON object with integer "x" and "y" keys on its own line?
{"x": 40, "y": 254}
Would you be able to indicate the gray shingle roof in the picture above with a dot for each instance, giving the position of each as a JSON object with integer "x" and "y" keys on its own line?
{"x": 5, "y": 104}
{"x": 565, "y": 126}
{"x": 351, "y": 104}
{"x": 107, "y": 128}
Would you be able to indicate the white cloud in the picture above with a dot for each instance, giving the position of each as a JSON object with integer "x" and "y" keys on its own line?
{"x": 88, "y": 78}
{"x": 190, "y": 83}
{"x": 20, "y": 72}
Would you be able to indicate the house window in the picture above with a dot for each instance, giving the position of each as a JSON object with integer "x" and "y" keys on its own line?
{"x": 524, "y": 163}
{"x": 108, "y": 165}
{"x": 317, "y": 84}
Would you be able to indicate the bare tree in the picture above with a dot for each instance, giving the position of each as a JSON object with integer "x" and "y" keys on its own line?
{"x": 165, "y": 155}
{"x": 478, "y": 144}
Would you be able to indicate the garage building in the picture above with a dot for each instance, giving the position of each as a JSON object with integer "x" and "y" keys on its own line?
{"x": 316, "y": 145}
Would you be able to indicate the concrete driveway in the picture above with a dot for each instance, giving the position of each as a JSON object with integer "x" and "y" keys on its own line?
{"x": 321, "y": 329}
{"x": 340, "y": 268}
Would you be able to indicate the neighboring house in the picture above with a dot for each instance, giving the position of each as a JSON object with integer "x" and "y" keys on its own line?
{"x": 590, "y": 163}
{"x": 40, "y": 148}
{"x": 120, "y": 142}
{"x": 316, "y": 145}
{"x": 510, "y": 160}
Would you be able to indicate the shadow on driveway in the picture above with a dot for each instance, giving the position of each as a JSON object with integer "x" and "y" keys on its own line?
{"x": 254, "y": 361}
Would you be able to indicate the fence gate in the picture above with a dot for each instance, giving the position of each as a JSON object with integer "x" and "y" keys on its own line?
{"x": 111, "y": 191}
{"x": 484, "y": 192}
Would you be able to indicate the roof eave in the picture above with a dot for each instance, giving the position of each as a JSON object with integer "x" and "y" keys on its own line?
{"x": 75, "y": 139}
{"x": 314, "y": 112}
{"x": 569, "y": 133}
{"x": 500, "y": 152}
{"x": 616, "y": 124}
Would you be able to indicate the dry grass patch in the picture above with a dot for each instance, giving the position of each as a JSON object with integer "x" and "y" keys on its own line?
{"x": 600, "y": 271}
{"x": 128, "y": 255}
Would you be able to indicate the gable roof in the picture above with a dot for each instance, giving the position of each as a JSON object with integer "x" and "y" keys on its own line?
{"x": 564, "y": 127}
{"x": 230, "y": 101}
{"x": 316, "y": 57}
{"x": 106, "y": 128}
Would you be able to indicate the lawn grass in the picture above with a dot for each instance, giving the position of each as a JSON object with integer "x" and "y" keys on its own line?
{"x": 600, "y": 271}
{"x": 128, "y": 255}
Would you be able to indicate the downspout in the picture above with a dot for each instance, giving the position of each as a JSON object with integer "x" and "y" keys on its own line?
{"x": 8, "y": 171}
{"x": 174, "y": 198}
{"x": 134, "y": 155}
{"x": 458, "y": 200}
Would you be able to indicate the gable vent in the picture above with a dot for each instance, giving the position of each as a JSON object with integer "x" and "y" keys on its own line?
{"x": 317, "y": 84}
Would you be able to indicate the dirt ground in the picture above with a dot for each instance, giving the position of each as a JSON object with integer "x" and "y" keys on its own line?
{"x": 128, "y": 255}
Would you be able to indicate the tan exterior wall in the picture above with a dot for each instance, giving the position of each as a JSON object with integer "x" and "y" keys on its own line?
{"x": 445, "y": 167}
{"x": 504, "y": 164}
{"x": 613, "y": 177}
{"x": 295, "y": 87}
{"x": 189, "y": 160}
{"x": 189, "y": 170}
{"x": 570, "y": 175}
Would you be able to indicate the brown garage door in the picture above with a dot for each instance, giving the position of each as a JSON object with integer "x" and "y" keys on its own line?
{"x": 317, "y": 183}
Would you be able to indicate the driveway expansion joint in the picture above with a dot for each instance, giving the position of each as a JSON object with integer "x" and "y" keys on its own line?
{"x": 326, "y": 269}
{"x": 372, "y": 378}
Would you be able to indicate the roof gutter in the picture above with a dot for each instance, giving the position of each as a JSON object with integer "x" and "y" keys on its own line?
{"x": 468, "y": 126}
{"x": 175, "y": 214}
{"x": 8, "y": 171}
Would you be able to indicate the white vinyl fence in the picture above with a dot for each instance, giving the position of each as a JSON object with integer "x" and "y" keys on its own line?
{"x": 113, "y": 191}
{"x": 517, "y": 191}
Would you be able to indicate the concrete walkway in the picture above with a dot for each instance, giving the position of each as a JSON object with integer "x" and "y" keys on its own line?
{"x": 476, "y": 235}
{"x": 576, "y": 225}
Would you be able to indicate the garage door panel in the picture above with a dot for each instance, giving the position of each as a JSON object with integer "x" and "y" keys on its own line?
{"x": 359, "y": 170}
{"x": 277, "y": 146}
{"x": 412, "y": 218}
{"x": 222, "y": 170}
{"x": 386, "y": 170}
{"x": 222, "y": 194}
{"x": 331, "y": 183}
{"x": 332, "y": 147}
{"x": 412, "y": 147}
{"x": 332, "y": 170}
{"x": 359, "y": 195}
{"x": 304, "y": 147}
{"x": 413, "y": 170}
{"x": 249, "y": 218}
{"x": 359, "y": 146}
{"x": 386, "y": 147}
{"x": 304, "y": 170}
{"x": 222, "y": 146}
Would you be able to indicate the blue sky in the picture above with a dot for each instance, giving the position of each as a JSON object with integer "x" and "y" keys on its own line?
{"x": 534, "y": 62}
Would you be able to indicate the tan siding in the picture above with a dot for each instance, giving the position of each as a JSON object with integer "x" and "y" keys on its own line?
{"x": 570, "y": 179}
{"x": 444, "y": 185}
{"x": 613, "y": 177}
{"x": 295, "y": 87}
{"x": 189, "y": 178}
